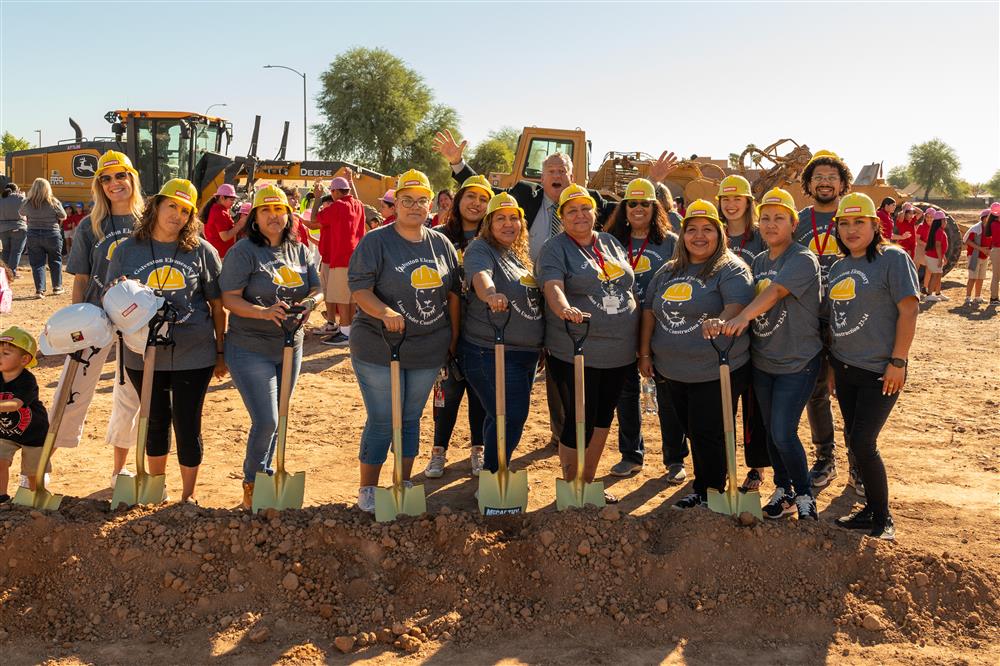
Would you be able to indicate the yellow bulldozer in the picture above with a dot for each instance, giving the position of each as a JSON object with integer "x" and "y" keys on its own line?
{"x": 176, "y": 144}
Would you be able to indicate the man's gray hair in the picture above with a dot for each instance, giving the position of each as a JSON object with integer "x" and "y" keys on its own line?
{"x": 562, "y": 157}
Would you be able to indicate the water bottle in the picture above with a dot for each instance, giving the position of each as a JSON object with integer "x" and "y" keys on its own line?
{"x": 647, "y": 395}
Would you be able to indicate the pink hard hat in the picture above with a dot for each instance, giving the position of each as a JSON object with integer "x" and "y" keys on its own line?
{"x": 995, "y": 208}
{"x": 390, "y": 197}
{"x": 907, "y": 206}
{"x": 225, "y": 190}
{"x": 246, "y": 208}
{"x": 939, "y": 215}
{"x": 339, "y": 183}
{"x": 984, "y": 213}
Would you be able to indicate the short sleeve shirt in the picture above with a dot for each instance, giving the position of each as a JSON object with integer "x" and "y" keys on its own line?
{"x": 414, "y": 279}
{"x": 680, "y": 304}
{"x": 526, "y": 328}
{"x": 747, "y": 249}
{"x": 188, "y": 280}
{"x": 607, "y": 293}
{"x": 28, "y": 425}
{"x": 645, "y": 261}
{"x": 91, "y": 257}
{"x": 863, "y": 299}
{"x": 265, "y": 275}
{"x": 786, "y": 337}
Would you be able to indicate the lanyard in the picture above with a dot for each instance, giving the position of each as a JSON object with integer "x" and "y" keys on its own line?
{"x": 829, "y": 228}
{"x": 635, "y": 261}
{"x": 598, "y": 257}
{"x": 159, "y": 277}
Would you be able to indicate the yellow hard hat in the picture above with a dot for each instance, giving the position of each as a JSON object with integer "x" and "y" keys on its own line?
{"x": 735, "y": 186}
{"x": 414, "y": 180}
{"x": 823, "y": 153}
{"x": 778, "y": 197}
{"x": 855, "y": 204}
{"x": 502, "y": 200}
{"x": 425, "y": 277}
{"x": 21, "y": 339}
{"x": 640, "y": 189}
{"x": 479, "y": 182}
{"x": 702, "y": 208}
{"x": 574, "y": 191}
{"x": 112, "y": 159}
{"x": 270, "y": 195}
{"x": 181, "y": 191}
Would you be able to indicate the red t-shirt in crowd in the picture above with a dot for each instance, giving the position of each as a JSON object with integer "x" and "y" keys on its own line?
{"x": 300, "y": 230}
{"x": 341, "y": 224}
{"x": 885, "y": 221}
{"x": 909, "y": 244}
{"x": 71, "y": 221}
{"x": 939, "y": 237}
{"x": 976, "y": 238}
{"x": 219, "y": 219}
{"x": 389, "y": 220}
{"x": 993, "y": 229}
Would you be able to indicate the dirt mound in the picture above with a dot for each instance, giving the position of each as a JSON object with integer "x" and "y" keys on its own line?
{"x": 179, "y": 574}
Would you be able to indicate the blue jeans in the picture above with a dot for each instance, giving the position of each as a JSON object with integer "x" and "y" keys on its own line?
{"x": 374, "y": 382}
{"x": 479, "y": 364}
{"x": 13, "y": 247}
{"x": 258, "y": 379}
{"x": 782, "y": 399}
{"x": 45, "y": 247}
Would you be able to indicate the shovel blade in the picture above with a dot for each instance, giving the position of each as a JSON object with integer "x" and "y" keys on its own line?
{"x": 496, "y": 502}
{"x": 722, "y": 503}
{"x": 281, "y": 491}
{"x": 152, "y": 489}
{"x": 749, "y": 501}
{"x": 568, "y": 494}
{"x": 391, "y": 502}
{"x": 39, "y": 498}
{"x": 126, "y": 491}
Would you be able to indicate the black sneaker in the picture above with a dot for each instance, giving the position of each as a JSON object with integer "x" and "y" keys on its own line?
{"x": 994, "y": 301}
{"x": 885, "y": 531}
{"x": 781, "y": 504}
{"x": 822, "y": 473}
{"x": 338, "y": 339}
{"x": 861, "y": 519}
{"x": 4, "y": 498}
{"x": 854, "y": 480}
{"x": 806, "y": 506}
{"x": 690, "y": 501}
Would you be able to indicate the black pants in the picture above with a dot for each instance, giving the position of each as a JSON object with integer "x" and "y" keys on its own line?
{"x": 699, "y": 408}
{"x": 601, "y": 388}
{"x": 177, "y": 398}
{"x": 865, "y": 411}
{"x": 754, "y": 432}
{"x": 631, "y": 444}
{"x": 445, "y": 417}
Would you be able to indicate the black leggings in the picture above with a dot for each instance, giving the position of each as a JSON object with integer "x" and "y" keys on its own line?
{"x": 601, "y": 390}
{"x": 865, "y": 412}
{"x": 178, "y": 397}
{"x": 754, "y": 431}
{"x": 446, "y": 417}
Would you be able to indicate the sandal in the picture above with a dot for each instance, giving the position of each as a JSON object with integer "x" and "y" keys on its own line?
{"x": 752, "y": 482}
{"x": 609, "y": 498}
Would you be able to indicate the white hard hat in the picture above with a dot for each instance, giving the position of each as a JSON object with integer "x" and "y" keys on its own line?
{"x": 136, "y": 341}
{"x": 130, "y": 304}
{"x": 75, "y": 327}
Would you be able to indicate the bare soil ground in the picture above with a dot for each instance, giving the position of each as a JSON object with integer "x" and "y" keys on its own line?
{"x": 633, "y": 584}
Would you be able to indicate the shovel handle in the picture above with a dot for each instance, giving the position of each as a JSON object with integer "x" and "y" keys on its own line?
{"x": 393, "y": 346}
{"x": 578, "y": 341}
{"x": 498, "y": 331}
{"x": 723, "y": 352}
{"x": 291, "y": 324}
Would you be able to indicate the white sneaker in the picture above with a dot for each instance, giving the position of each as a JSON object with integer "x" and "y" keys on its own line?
{"x": 327, "y": 329}
{"x": 435, "y": 468}
{"x": 366, "y": 499}
{"x": 942, "y": 297}
{"x": 931, "y": 298}
{"x": 968, "y": 302}
{"x": 23, "y": 480}
{"x": 476, "y": 459}
{"x": 125, "y": 472}
{"x": 976, "y": 302}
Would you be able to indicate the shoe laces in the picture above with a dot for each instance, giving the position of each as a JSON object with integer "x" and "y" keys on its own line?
{"x": 805, "y": 504}
{"x": 777, "y": 496}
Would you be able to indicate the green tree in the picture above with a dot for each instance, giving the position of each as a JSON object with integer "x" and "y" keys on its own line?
{"x": 993, "y": 184}
{"x": 899, "y": 176}
{"x": 508, "y": 135}
{"x": 491, "y": 155}
{"x": 9, "y": 143}
{"x": 934, "y": 164}
{"x": 379, "y": 113}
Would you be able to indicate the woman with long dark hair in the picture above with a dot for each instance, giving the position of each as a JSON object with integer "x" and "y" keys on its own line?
{"x": 220, "y": 229}
{"x": 935, "y": 243}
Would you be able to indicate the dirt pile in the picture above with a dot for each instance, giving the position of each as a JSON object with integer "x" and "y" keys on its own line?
{"x": 333, "y": 574}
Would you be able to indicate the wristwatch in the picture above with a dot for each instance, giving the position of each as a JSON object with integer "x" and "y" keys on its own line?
{"x": 897, "y": 362}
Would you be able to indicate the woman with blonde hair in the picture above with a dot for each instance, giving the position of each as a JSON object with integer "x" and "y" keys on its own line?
{"x": 44, "y": 215}
{"x": 118, "y": 205}
{"x": 167, "y": 254}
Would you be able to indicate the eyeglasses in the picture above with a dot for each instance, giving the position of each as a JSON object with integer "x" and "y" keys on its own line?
{"x": 644, "y": 204}
{"x": 407, "y": 202}
{"x": 120, "y": 175}
{"x": 826, "y": 179}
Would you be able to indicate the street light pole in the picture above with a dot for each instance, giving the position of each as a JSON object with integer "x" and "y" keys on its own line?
{"x": 212, "y": 106}
{"x": 39, "y": 138}
{"x": 305, "y": 126}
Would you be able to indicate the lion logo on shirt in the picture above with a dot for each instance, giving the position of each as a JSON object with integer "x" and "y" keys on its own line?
{"x": 841, "y": 295}
{"x": 532, "y": 296}
{"x": 425, "y": 281}
{"x": 166, "y": 278}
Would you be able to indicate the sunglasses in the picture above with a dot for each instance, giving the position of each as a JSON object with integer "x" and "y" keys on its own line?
{"x": 120, "y": 175}
{"x": 644, "y": 204}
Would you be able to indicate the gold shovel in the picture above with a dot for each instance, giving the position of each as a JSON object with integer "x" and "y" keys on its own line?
{"x": 40, "y": 498}
{"x": 504, "y": 492}
{"x": 734, "y": 501}
{"x": 282, "y": 490}
{"x": 577, "y": 493}
{"x": 398, "y": 498}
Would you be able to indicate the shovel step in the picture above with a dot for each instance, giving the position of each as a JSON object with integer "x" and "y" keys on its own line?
{"x": 568, "y": 495}
{"x": 734, "y": 505}
{"x": 280, "y": 491}
{"x": 391, "y": 502}
{"x": 39, "y": 499}
{"x": 494, "y": 502}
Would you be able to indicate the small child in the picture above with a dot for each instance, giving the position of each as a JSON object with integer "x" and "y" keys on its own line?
{"x": 977, "y": 260}
{"x": 23, "y": 419}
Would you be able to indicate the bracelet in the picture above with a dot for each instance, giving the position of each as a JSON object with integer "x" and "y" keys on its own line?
{"x": 644, "y": 356}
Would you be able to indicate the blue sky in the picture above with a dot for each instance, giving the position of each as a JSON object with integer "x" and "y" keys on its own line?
{"x": 704, "y": 78}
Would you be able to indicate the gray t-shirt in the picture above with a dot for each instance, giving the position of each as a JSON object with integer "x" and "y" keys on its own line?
{"x": 676, "y": 221}
{"x": 786, "y": 337}
{"x": 89, "y": 256}
{"x": 526, "y": 328}
{"x": 822, "y": 243}
{"x": 607, "y": 294}
{"x": 10, "y": 212}
{"x": 414, "y": 280}
{"x": 188, "y": 281}
{"x": 649, "y": 261}
{"x": 747, "y": 249}
{"x": 47, "y": 217}
{"x": 266, "y": 275}
{"x": 863, "y": 298}
{"x": 680, "y": 304}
